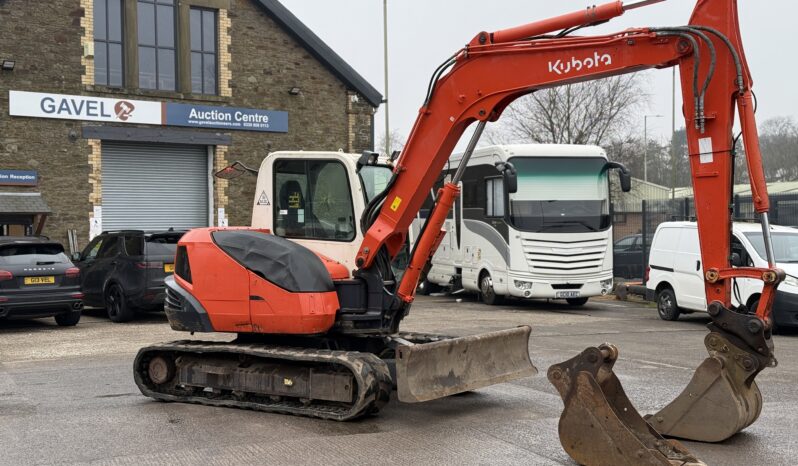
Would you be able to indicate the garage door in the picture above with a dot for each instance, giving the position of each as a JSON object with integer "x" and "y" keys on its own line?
{"x": 154, "y": 186}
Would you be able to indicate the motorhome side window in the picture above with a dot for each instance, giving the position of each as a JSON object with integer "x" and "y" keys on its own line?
{"x": 323, "y": 212}
{"x": 494, "y": 190}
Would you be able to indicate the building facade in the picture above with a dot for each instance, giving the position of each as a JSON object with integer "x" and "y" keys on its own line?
{"x": 114, "y": 114}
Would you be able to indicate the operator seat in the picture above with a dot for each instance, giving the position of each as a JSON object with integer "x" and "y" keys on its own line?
{"x": 292, "y": 202}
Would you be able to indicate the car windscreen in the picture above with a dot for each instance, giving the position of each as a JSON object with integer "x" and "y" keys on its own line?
{"x": 162, "y": 244}
{"x": 32, "y": 254}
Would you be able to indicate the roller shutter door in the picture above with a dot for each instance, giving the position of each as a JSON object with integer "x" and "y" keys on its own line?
{"x": 154, "y": 186}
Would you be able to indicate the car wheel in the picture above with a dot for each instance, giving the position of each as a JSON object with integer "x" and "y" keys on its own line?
{"x": 116, "y": 305}
{"x": 576, "y": 301}
{"x": 68, "y": 319}
{"x": 425, "y": 288}
{"x": 666, "y": 305}
{"x": 487, "y": 292}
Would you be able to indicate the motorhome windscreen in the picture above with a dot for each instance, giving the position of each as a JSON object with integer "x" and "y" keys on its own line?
{"x": 560, "y": 195}
{"x": 785, "y": 245}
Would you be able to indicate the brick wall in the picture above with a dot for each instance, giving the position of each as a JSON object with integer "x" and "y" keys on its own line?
{"x": 259, "y": 64}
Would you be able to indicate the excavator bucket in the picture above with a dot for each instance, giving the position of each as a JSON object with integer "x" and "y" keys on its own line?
{"x": 722, "y": 398}
{"x": 599, "y": 425}
{"x": 433, "y": 370}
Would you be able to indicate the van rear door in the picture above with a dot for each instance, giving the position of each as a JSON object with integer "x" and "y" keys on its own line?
{"x": 689, "y": 271}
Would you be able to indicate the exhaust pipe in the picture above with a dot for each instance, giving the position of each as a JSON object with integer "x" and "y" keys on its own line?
{"x": 78, "y": 306}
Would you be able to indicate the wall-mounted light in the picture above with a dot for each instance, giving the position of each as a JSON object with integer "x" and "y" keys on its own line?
{"x": 8, "y": 65}
{"x": 294, "y": 90}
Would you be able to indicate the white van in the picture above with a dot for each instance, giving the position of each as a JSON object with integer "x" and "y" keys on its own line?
{"x": 675, "y": 276}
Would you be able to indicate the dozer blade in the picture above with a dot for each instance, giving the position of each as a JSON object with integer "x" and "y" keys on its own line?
{"x": 599, "y": 425}
{"x": 722, "y": 398}
{"x": 433, "y": 370}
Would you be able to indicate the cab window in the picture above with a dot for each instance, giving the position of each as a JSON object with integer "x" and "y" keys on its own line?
{"x": 313, "y": 200}
{"x": 375, "y": 179}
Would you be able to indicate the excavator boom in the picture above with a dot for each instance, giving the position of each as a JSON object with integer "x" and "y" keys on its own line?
{"x": 494, "y": 69}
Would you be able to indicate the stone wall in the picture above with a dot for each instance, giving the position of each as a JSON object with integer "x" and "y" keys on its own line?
{"x": 259, "y": 64}
{"x": 44, "y": 38}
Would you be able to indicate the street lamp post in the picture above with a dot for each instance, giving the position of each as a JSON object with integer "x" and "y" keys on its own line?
{"x": 645, "y": 144}
{"x": 385, "y": 54}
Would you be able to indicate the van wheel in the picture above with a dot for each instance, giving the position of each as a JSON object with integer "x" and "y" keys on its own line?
{"x": 666, "y": 305}
{"x": 69, "y": 319}
{"x": 116, "y": 305}
{"x": 576, "y": 301}
{"x": 487, "y": 292}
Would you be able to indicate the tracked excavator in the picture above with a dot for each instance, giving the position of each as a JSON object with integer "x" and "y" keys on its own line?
{"x": 311, "y": 292}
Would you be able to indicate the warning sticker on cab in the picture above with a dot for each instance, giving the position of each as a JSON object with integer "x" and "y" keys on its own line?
{"x": 263, "y": 199}
{"x": 397, "y": 201}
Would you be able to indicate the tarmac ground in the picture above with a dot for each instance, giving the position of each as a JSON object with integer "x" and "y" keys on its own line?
{"x": 67, "y": 396}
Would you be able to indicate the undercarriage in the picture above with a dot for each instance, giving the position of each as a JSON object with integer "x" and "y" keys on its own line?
{"x": 330, "y": 377}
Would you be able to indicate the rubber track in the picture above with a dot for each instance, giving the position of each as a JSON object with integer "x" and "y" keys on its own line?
{"x": 371, "y": 374}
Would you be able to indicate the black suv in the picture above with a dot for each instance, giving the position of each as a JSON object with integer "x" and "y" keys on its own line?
{"x": 124, "y": 271}
{"x": 38, "y": 280}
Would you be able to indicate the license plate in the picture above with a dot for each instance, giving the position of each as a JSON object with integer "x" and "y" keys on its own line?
{"x": 39, "y": 280}
{"x": 567, "y": 294}
{"x": 169, "y": 268}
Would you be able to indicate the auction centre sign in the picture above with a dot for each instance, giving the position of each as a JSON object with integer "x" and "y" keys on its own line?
{"x": 88, "y": 108}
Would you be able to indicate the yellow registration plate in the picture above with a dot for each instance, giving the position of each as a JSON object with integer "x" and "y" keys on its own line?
{"x": 39, "y": 280}
{"x": 169, "y": 268}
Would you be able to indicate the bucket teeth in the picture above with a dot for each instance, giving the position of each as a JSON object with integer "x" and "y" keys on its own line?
{"x": 599, "y": 425}
{"x": 722, "y": 398}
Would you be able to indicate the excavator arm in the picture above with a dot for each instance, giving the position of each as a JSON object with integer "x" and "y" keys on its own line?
{"x": 494, "y": 69}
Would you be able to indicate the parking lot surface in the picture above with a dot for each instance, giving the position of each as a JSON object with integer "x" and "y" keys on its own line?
{"x": 67, "y": 396}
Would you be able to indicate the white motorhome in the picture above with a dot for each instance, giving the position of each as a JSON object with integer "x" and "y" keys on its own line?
{"x": 552, "y": 238}
{"x": 675, "y": 276}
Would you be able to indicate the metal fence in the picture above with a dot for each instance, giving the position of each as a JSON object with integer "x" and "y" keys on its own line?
{"x": 634, "y": 224}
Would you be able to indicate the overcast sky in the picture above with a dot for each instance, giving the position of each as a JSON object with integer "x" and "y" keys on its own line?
{"x": 423, "y": 33}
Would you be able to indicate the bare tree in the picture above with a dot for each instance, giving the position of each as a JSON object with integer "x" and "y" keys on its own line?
{"x": 592, "y": 112}
{"x": 778, "y": 141}
{"x": 397, "y": 143}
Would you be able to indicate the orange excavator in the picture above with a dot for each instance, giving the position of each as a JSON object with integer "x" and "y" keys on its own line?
{"x": 317, "y": 301}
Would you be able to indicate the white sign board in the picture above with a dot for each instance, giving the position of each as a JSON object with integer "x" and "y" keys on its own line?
{"x": 86, "y": 108}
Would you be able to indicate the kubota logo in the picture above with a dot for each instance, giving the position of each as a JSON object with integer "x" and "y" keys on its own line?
{"x": 124, "y": 110}
{"x": 575, "y": 64}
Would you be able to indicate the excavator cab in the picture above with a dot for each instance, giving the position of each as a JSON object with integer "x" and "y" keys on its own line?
{"x": 316, "y": 199}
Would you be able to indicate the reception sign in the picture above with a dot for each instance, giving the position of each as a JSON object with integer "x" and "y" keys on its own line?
{"x": 19, "y": 178}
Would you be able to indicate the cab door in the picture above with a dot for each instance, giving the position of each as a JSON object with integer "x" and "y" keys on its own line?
{"x": 317, "y": 202}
